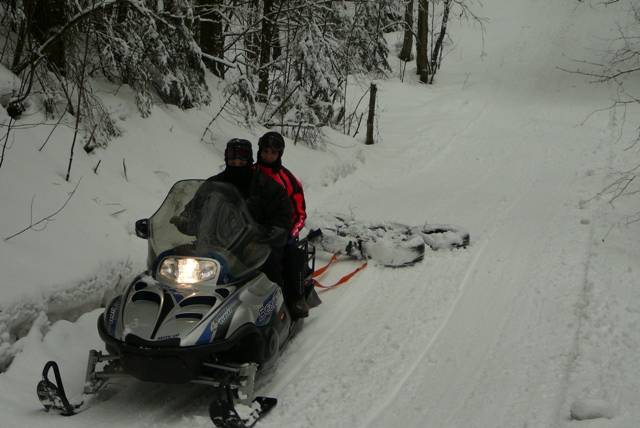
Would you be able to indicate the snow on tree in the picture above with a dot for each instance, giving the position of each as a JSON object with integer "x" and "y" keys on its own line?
{"x": 149, "y": 47}
{"x": 149, "y": 51}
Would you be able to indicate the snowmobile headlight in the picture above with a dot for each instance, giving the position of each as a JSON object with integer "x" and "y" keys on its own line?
{"x": 189, "y": 270}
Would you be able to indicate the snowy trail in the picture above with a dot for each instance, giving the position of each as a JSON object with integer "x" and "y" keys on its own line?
{"x": 496, "y": 350}
{"x": 473, "y": 338}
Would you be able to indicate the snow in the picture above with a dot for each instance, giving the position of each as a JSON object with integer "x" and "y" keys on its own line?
{"x": 536, "y": 324}
{"x": 591, "y": 409}
{"x": 9, "y": 86}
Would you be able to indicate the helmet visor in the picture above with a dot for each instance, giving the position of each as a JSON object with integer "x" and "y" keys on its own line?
{"x": 240, "y": 153}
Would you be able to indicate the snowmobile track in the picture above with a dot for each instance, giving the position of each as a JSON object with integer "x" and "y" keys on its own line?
{"x": 396, "y": 390}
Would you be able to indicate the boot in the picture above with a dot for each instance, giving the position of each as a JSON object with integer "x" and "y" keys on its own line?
{"x": 299, "y": 308}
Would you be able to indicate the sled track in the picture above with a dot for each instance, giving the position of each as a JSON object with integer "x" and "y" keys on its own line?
{"x": 328, "y": 325}
{"x": 462, "y": 285}
{"x": 395, "y": 392}
{"x": 350, "y": 299}
{"x": 583, "y": 302}
{"x": 363, "y": 353}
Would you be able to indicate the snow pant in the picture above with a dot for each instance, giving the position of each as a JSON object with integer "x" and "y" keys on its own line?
{"x": 295, "y": 270}
{"x": 273, "y": 266}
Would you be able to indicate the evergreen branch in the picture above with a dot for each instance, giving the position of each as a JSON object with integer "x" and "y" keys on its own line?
{"x": 39, "y": 54}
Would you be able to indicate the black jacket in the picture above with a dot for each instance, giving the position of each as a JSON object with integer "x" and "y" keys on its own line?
{"x": 267, "y": 201}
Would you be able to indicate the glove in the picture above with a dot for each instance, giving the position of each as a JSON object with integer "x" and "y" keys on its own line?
{"x": 314, "y": 234}
{"x": 182, "y": 224}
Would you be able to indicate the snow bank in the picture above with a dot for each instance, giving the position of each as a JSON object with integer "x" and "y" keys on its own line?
{"x": 9, "y": 85}
{"x": 68, "y": 303}
{"x": 592, "y": 408}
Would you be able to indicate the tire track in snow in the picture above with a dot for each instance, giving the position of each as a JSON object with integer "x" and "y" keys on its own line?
{"x": 361, "y": 358}
{"x": 551, "y": 216}
{"x": 381, "y": 407}
{"x": 328, "y": 325}
{"x": 462, "y": 288}
{"x": 574, "y": 353}
{"x": 584, "y": 299}
{"x": 359, "y": 300}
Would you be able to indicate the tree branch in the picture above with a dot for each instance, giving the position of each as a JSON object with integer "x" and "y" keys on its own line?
{"x": 47, "y": 218}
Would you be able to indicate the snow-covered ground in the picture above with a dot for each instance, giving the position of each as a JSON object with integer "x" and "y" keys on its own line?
{"x": 538, "y": 319}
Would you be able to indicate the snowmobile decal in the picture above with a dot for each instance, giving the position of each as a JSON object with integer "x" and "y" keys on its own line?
{"x": 223, "y": 319}
{"x": 172, "y": 336}
{"x": 267, "y": 309}
{"x": 113, "y": 313}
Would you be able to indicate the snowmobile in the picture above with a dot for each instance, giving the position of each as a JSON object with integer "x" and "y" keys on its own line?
{"x": 201, "y": 313}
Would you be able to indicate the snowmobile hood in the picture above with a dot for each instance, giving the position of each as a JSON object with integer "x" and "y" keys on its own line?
{"x": 152, "y": 312}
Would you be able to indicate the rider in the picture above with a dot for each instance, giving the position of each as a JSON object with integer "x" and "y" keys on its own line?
{"x": 270, "y": 150}
{"x": 267, "y": 202}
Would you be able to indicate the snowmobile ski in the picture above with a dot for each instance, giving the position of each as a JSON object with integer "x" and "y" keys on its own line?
{"x": 52, "y": 395}
{"x": 227, "y": 412}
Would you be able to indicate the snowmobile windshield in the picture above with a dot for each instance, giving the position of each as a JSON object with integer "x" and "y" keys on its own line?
{"x": 210, "y": 220}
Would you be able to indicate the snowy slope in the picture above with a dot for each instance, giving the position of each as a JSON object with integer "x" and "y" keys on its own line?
{"x": 538, "y": 316}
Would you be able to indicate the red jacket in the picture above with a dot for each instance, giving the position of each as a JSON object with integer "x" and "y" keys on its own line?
{"x": 292, "y": 185}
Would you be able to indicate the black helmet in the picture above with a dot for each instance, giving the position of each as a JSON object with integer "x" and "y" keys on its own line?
{"x": 239, "y": 148}
{"x": 272, "y": 139}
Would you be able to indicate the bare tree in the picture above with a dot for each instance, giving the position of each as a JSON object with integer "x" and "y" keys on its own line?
{"x": 621, "y": 67}
{"x": 422, "y": 43}
{"x": 265, "y": 50}
{"x": 436, "y": 55}
{"x": 407, "y": 45}
{"x": 211, "y": 35}
{"x": 372, "y": 112}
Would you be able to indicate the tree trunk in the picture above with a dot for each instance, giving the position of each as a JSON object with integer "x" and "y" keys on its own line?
{"x": 22, "y": 36}
{"x": 422, "y": 44}
{"x": 211, "y": 34}
{"x": 277, "y": 45}
{"x": 121, "y": 11}
{"x": 252, "y": 39}
{"x": 407, "y": 46}
{"x": 435, "y": 64}
{"x": 372, "y": 113}
{"x": 265, "y": 50}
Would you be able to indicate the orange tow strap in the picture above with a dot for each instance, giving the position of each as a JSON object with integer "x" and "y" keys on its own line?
{"x": 341, "y": 281}
{"x": 323, "y": 269}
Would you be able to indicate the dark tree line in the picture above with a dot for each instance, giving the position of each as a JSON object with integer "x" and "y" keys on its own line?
{"x": 283, "y": 62}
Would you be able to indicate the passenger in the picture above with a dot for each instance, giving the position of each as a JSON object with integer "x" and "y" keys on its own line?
{"x": 270, "y": 150}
